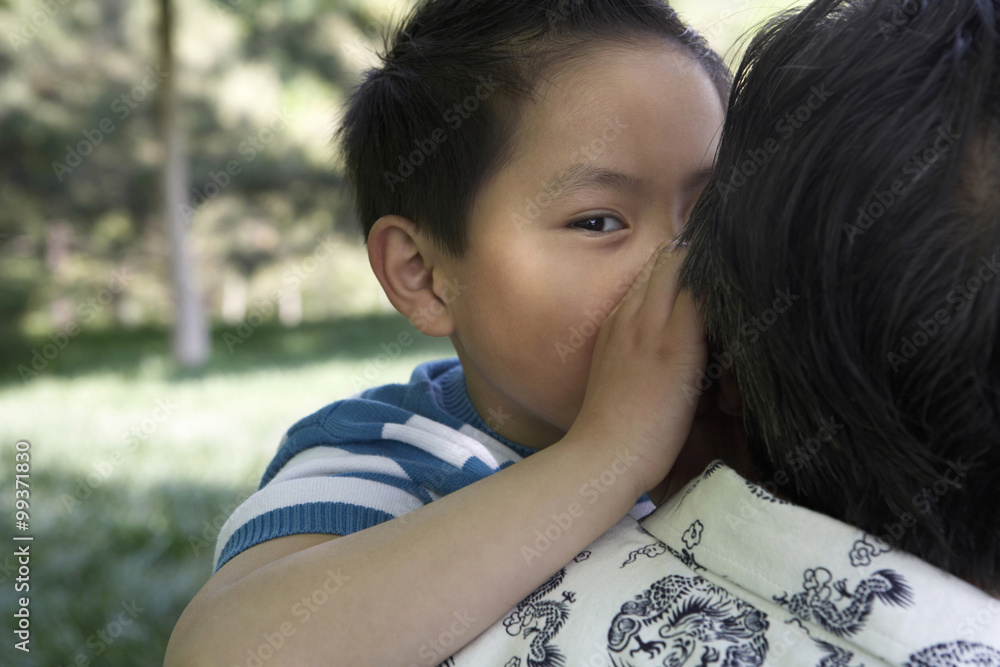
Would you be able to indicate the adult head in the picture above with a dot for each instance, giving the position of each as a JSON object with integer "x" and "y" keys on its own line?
{"x": 847, "y": 252}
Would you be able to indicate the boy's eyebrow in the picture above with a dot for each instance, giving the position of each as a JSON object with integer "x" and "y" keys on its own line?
{"x": 583, "y": 176}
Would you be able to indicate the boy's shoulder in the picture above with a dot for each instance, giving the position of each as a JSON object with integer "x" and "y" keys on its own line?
{"x": 430, "y": 384}
{"x": 428, "y": 420}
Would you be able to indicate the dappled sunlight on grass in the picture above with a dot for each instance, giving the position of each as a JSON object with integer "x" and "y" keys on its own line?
{"x": 134, "y": 469}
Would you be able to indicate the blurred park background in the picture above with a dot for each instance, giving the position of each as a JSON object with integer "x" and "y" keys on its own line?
{"x": 153, "y": 355}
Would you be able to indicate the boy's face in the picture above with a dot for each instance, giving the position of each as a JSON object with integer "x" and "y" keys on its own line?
{"x": 607, "y": 165}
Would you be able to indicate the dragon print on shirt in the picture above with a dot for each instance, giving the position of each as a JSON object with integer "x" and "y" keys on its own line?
{"x": 540, "y": 620}
{"x": 866, "y": 549}
{"x": 762, "y": 493}
{"x": 813, "y": 602}
{"x": 650, "y": 550}
{"x": 691, "y": 538}
{"x": 686, "y": 616}
{"x": 712, "y": 468}
{"x": 956, "y": 654}
{"x": 832, "y": 656}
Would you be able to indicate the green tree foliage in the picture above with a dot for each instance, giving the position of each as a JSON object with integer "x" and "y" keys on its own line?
{"x": 260, "y": 80}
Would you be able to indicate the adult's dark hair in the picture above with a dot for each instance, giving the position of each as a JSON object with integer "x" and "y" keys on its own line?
{"x": 428, "y": 127}
{"x": 859, "y": 170}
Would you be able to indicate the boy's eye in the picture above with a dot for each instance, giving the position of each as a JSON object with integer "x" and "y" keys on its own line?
{"x": 600, "y": 224}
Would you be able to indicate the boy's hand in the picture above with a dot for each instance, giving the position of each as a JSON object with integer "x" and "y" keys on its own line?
{"x": 647, "y": 351}
{"x": 642, "y": 390}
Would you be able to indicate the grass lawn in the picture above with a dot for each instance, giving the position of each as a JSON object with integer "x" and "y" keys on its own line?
{"x": 134, "y": 467}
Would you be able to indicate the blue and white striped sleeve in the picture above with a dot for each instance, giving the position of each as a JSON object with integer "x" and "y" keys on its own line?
{"x": 356, "y": 464}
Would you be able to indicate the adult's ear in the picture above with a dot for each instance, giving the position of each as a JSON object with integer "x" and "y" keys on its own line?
{"x": 404, "y": 261}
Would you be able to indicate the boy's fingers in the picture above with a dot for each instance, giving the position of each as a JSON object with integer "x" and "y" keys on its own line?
{"x": 686, "y": 329}
{"x": 662, "y": 284}
{"x": 636, "y": 295}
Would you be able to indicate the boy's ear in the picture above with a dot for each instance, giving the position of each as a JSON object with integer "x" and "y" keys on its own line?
{"x": 404, "y": 260}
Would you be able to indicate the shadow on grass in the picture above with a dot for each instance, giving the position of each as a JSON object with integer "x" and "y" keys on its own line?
{"x": 111, "y": 574}
{"x": 234, "y": 350}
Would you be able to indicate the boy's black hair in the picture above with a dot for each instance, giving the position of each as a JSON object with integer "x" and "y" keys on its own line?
{"x": 424, "y": 131}
{"x": 859, "y": 169}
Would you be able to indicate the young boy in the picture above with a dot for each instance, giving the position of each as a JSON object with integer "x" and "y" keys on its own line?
{"x": 515, "y": 166}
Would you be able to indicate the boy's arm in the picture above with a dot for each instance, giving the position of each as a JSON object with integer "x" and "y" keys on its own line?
{"x": 395, "y": 593}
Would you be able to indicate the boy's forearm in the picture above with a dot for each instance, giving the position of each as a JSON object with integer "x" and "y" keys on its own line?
{"x": 450, "y": 569}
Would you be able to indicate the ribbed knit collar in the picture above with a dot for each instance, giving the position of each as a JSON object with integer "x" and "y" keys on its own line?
{"x": 454, "y": 398}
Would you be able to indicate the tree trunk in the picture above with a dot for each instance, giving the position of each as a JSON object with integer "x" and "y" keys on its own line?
{"x": 191, "y": 340}
{"x": 290, "y": 307}
{"x": 235, "y": 295}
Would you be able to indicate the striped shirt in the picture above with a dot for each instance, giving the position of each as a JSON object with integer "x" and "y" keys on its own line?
{"x": 372, "y": 458}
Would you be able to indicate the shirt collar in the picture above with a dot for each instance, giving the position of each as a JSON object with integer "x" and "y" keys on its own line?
{"x": 456, "y": 402}
{"x": 849, "y": 586}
